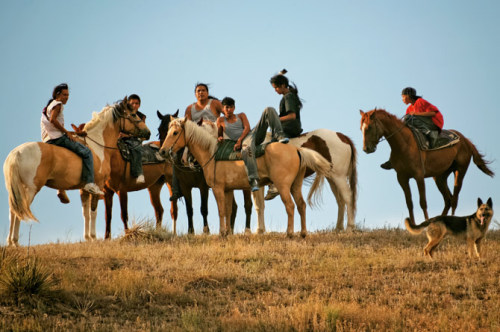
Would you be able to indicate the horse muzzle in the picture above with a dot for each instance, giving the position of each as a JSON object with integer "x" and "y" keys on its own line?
{"x": 369, "y": 148}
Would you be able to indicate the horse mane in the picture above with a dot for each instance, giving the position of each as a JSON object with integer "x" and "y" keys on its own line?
{"x": 383, "y": 113}
{"x": 198, "y": 135}
{"x": 101, "y": 119}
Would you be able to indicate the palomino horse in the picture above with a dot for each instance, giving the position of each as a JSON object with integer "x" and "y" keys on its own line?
{"x": 340, "y": 151}
{"x": 120, "y": 182}
{"x": 33, "y": 165}
{"x": 410, "y": 162}
{"x": 225, "y": 176}
{"x": 190, "y": 178}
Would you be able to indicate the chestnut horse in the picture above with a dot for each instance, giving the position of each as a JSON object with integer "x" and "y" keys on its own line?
{"x": 225, "y": 176}
{"x": 410, "y": 162}
{"x": 190, "y": 178}
{"x": 120, "y": 182}
{"x": 33, "y": 165}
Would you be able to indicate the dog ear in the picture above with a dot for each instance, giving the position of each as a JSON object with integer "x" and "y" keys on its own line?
{"x": 479, "y": 202}
{"x": 490, "y": 203}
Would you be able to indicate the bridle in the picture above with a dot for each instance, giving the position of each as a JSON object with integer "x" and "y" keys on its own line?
{"x": 382, "y": 137}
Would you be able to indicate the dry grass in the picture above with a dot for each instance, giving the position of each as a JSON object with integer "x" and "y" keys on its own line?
{"x": 374, "y": 280}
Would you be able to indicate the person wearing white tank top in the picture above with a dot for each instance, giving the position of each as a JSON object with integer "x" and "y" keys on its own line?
{"x": 206, "y": 107}
{"x": 53, "y": 132}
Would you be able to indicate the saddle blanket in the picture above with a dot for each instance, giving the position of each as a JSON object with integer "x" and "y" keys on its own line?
{"x": 225, "y": 151}
{"x": 445, "y": 139}
{"x": 150, "y": 152}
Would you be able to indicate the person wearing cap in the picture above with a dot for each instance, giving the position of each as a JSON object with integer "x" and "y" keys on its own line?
{"x": 422, "y": 115}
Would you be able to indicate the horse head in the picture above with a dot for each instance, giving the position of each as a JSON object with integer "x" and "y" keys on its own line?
{"x": 371, "y": 131}
{"x": 164, "y": 123}
{"x": 131, "y": 123}
{"x": 175, "y": 138}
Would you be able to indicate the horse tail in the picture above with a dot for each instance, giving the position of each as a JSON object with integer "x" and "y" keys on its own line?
{"x": 416, "y": 229}
{"x": 353, "y": 174}
{"x": 322, "y": 167}
{"x": 19, "y": 196}
{"x": 478, "y": 159}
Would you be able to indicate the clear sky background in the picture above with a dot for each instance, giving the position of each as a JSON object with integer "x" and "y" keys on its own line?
{"x": 343, "y": 56}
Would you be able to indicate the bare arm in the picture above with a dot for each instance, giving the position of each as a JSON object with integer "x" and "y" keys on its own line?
{"x": 246, "y": 130}
{"x": 220, "y": 129}
{"x": 53, "y": 119}
{"x": 290, "y": 116}
{"x": 187, "y": 114}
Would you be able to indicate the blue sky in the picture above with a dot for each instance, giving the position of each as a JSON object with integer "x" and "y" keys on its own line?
{"x": 343, "y": 56}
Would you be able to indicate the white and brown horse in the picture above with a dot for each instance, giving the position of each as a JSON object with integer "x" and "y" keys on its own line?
{"x": 340, "y": 152}
{"x": 33, "y": 165}
{"x": 225, "y": 176}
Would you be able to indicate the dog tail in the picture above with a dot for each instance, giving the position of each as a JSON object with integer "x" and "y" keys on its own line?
{"x": 416, "y": 229}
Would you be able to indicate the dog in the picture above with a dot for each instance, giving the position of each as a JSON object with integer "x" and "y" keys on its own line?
{"x": 473, "y": 228}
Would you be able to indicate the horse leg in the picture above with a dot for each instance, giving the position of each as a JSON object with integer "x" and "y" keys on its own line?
{"x": 442, "y": 185}
{"x": 258, "y": 202}
{"x": 234, "y": 210}
{"x": 405, "y": 185}
{"x": 85, "y": 198}
{"x": 204, "y": 209}
{"x": 459, "y": 178}
{"x": 173, "y": 210}
{"x": 123, "y": 195}
{"x": 248, "y": 210}
{"x": 15, "y": 222}
{"x": 286, "y": 198}
{"x": 340, "y": 204}
{"x": 189, "y": 209}
{"x": 108, "y": 207}
{"x": 220, "y": 198}
{"x": 93, "y": 216}
{"x": 229, "y": 199}
{"x": 154, "y": 196}
{"x": 299, "y": 201}
{"x": 423, "y": 199}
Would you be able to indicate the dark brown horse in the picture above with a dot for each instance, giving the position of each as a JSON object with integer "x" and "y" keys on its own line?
{"x": 190, "y": 178}
{"x": 410, "y": 162}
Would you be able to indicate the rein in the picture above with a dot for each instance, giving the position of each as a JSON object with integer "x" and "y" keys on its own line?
{"x": 384, "y": 138}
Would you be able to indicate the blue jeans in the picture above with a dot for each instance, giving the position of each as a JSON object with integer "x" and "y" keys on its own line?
{"x": 135, "y": 148}
{"x": 82, "y": 151}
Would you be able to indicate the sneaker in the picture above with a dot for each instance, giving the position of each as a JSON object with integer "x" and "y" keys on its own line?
{"x": 254, "y": 185}
{"x": 386, "y": 165}
{"x": 62, "y": 196}
{"x": 93, "y": 189}
{"x": 284, "y": 140}
{"x": 140, "y": 179}
{"x": 271, "y": 193}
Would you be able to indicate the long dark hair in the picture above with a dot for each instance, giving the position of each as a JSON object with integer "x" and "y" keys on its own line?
{"x": 280, "y": 79}
{"x": 206, "y": 87}
{"x": 57, "y": 91}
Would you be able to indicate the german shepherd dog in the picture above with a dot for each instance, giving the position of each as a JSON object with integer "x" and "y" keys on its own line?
{"x": 473, "y": 228}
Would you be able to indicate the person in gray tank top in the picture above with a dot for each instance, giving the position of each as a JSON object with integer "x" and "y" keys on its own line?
{"x": 237, "y": 128}
{"x": 206, "y": 107}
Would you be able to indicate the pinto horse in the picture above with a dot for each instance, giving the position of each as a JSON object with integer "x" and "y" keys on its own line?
{"x": 120, "y": 182}
{"x": 225, "y": 176}
{"x": 340, "y": 151}
{"x": 190, "y": 178}
{"x": 33, "y": 165}
{"x": 410, "y": 162}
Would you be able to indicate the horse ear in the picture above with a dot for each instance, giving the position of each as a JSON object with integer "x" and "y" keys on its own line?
{"x": 125, "y": 100}
{"x": 172, "y": 118}
{"x": 361, "y": 112}
{"x": 176, "y": 114}
{"x": 490, "y": 203}
{"x": 160, "y": 116}
{"x": 200, "y": 122}
{"x": 479, "y": 202}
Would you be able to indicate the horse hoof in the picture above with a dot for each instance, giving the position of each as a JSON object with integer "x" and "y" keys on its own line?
{"x": 289, "y": 235}
{"x": 261, "y": 231}
{"x": 206, "y": 230}
{"x": 248, "y": 231}
{"x": 303, "y": 234}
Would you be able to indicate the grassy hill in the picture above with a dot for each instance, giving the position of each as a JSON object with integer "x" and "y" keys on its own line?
{"x": 367, "y": 280}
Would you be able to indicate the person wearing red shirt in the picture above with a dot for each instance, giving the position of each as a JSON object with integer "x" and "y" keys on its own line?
{"x": 422, "y": 115}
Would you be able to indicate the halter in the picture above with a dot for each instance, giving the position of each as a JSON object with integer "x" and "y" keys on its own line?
{"x": 384, "y": 138}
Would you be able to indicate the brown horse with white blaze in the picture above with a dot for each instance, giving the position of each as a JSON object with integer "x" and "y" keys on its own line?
{"x": 410, "y": 162}
{"x": 33, "y": 165}
{"x": 225, "y": 176}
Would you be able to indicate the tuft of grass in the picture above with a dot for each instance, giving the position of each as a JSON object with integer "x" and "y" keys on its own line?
{"x": 26, "y": 281}
{"x": 146, "y": 232}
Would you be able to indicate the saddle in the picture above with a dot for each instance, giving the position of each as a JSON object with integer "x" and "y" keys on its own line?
{"x": 445, "y": 139}
{"x": 225, "y": 151}
{"x": 150, "y": 152}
